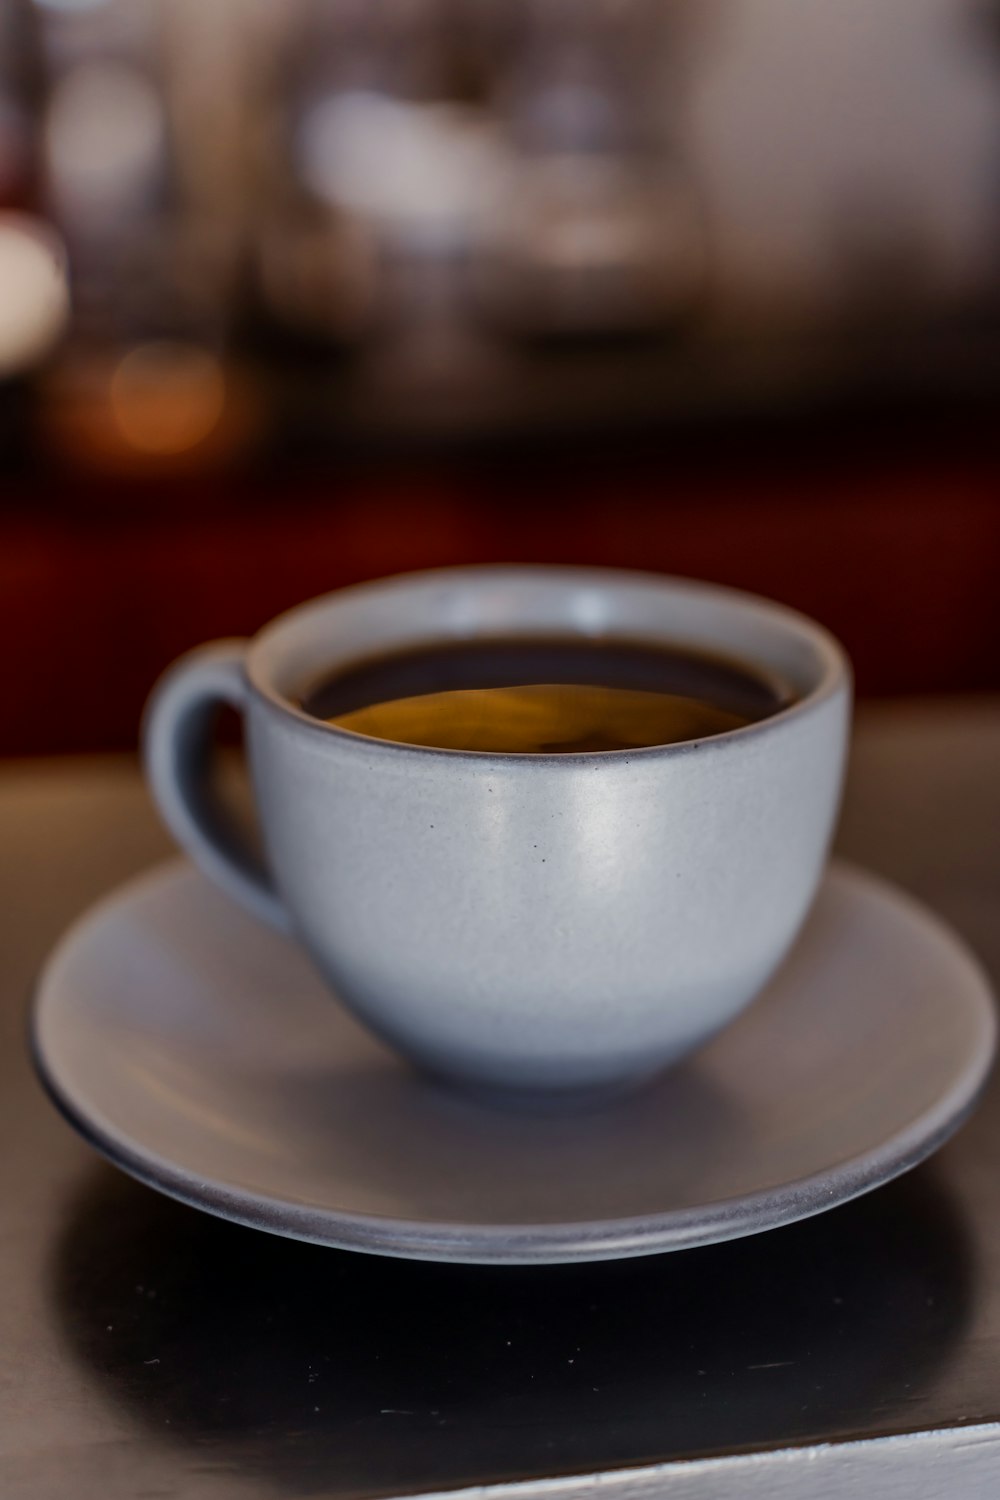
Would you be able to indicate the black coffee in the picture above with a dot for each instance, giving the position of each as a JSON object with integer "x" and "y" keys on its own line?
{"x": 551, "y": 696}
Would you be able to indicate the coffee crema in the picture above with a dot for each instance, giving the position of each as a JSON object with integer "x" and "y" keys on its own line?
{"x": 543, "y": 695}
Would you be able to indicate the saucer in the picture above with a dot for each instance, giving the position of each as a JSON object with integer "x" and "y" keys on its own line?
{"x": 199, "y": 1051}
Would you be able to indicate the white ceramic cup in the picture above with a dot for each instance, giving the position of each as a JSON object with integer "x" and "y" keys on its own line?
{"x": 528, "y": 922}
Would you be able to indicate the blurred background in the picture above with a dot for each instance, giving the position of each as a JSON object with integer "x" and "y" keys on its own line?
{"x": 299, "y": 292}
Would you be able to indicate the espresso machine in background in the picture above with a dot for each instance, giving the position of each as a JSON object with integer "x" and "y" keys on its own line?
{"x": 281, "y": 225}
{"x": 506, "y": 165}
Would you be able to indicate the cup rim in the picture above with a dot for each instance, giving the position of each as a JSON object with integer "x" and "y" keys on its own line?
{"x": 835, "y": 671}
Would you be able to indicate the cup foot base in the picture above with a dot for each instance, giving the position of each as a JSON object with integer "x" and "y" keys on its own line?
{"x": 540, "y": 1100}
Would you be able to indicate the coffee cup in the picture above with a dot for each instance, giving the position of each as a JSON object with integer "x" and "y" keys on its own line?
{"x": 543, "y": 924}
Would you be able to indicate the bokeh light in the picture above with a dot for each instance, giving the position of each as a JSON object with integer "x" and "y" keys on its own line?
{"x": 34, "y": 306}
{"x": 167, "y": 396}
{"x": 104, "y": 138}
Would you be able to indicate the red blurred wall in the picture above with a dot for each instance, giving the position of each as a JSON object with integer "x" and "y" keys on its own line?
{"x": 898, "y": 551}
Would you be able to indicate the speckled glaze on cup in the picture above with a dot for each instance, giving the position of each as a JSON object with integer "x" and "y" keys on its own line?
{"x": 562, "y": 923}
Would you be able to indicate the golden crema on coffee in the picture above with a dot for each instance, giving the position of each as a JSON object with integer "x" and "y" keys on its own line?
{"x": 541, "y": 696}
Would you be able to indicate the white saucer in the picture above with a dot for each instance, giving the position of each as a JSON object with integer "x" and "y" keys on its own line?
{"x": 200, "y": 1052}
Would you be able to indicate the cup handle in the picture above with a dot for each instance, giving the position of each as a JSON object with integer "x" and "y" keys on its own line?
{"x": 178, "y": 752}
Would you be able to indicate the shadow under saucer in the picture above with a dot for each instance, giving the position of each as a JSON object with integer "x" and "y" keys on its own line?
{"x": 362, "y": 1375}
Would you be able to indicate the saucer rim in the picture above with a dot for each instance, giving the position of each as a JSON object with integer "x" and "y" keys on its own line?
{"x": 553, "y": 1243}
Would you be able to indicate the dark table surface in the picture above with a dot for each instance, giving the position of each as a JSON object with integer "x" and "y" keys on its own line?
{"x": 148, "y": 1350}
